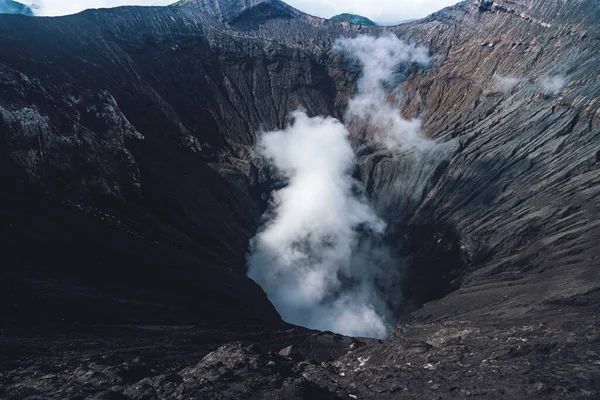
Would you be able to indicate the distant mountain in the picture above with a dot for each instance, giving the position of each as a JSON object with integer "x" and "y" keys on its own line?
{"x": 12, "y": 7}
{"x": 353, "y": 19}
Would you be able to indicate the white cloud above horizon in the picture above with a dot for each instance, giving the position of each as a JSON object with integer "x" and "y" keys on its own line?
{"x": 381, "y": 11}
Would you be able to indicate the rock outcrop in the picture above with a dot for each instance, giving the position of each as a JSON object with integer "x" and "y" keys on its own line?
{"x": 131, "y": 189}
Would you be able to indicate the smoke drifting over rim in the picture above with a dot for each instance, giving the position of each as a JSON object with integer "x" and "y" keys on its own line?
{"x": 320, "y": 255}
{"x": 380, "y": 57}
{"x": 505, "y": 83}
{"x": 552, "y": 84}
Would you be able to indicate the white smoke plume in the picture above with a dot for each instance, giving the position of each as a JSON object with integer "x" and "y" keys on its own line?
{"x": 505, "y": 83}
{"x": 319, "y": 256}
{"x": 552, "y": 84}
{"x": 380, "y": 57}
{"x": 307, "y": 257}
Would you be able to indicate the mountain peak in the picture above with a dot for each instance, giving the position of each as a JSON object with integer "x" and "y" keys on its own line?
{"x": 235, "y": 11}
{"x": 13, "y": 7}
{"x": 353, "y": 19}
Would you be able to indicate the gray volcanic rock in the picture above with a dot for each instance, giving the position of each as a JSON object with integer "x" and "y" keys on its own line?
{"x": 163, "y": 158}
{"x": 244, "y": 11}
{"x": 518, "y": 183}
{"x": 132, "y": 188}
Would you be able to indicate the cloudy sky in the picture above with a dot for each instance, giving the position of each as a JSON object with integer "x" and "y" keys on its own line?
{"x": 381, "y": 11}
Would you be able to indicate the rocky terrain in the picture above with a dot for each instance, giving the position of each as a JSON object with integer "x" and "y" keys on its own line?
{"x": 131, "y": 188}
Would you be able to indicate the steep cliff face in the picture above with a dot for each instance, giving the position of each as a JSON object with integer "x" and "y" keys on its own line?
{"x": 132, "y": 188}
{"x": 514, "y": 95}
{"x": 156, "y": 110}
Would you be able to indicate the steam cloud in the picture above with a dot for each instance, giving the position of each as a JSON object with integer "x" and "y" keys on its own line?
{"x": 307, "y": 251}
{"x": 548, "y": 84}
{"x": 379, "y": 57}
{"x": 505, "y": 83}
{"x": 552, "y": 84}
{"x": 319, "y": 256}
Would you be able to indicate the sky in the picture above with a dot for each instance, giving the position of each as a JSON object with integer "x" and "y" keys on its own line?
{"x": 380, "y": 11}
